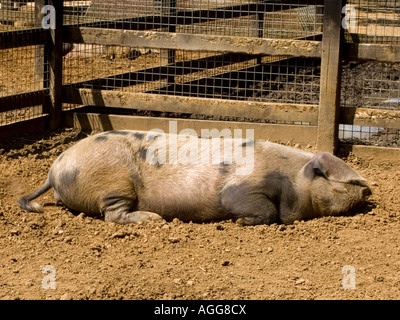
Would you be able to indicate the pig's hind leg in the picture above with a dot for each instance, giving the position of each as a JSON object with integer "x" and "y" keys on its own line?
{"x": 119, "y": 209}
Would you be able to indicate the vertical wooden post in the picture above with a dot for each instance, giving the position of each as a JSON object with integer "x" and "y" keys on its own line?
{"x": 258, "y": 24}
{"x": 54, "y": 55}
{"x": 166, "y": 9}
{"x": 39, "y": 49}
{"x": 331, "y": 67}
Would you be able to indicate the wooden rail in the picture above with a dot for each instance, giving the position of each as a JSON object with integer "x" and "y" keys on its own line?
{"x": 201, "y": 106}
{"x": 194, "y": 42}
{"x": 304, "y": 135}
{"x": 161, "y": 31}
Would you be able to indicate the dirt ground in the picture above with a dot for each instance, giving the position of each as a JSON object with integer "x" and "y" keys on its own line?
{"x": 93, "y": 259}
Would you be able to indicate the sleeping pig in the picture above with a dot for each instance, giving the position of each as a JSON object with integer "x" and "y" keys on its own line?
{"x": 131, "y": 176}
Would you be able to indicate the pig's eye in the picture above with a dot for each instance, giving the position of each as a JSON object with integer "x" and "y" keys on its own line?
{"x": 358, "y": 183}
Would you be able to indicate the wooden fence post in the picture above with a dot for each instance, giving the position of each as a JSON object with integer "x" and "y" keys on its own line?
{"x": 39, "y": 50}
{"x": 54, "y": 55}
{"x": 331, "y": 68}
{"x": 167, "y": 8}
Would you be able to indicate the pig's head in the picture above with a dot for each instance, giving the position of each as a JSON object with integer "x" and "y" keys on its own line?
{"x": 333, "y": 187}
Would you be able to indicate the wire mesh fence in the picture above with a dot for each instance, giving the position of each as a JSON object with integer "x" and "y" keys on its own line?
{"x": 208, "y": 73}
{"x": 202, "y": 74}
{"x": 373, "y": 21}
{"x": 22, "y": 67}
{"x": 371, "y": 84}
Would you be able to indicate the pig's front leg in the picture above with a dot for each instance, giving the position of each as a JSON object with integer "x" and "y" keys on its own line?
{"x": 248, "y": 206}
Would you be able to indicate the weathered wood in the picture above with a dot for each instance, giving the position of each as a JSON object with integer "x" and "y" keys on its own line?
{"x": 26, "y": 127}
{"x": 370, "y": 117}
{"x": 202, "y": 13}
{"x": 328, "y": 120}
{"x": 22, "y": 100}
{"x": 304, "y": 135}
{"x": 13, "y": 15}
{"x": 213, "y": 107}
{"x": 372, "y": 51}
{"x": 14, "y": 39}
{"x": 194, "y": 42}
{"x": 241, "y": 82}
{"x": 166, "y": 8}
{"x": 39, "y": 67}
{"x": 154, "y": 74}
{"x": 54, "y": 52}
{"x": 373, "y": 154}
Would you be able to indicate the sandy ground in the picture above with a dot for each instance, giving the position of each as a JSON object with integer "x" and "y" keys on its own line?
{"x": 93, "y": 259}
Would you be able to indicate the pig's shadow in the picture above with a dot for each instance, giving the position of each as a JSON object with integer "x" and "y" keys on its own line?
{"x": 366, "y": 208}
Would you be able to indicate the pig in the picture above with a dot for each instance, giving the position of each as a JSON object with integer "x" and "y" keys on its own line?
{"x": 119, "y": 175}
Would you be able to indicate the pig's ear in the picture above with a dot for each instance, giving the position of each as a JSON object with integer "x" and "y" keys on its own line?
{"x": 314, "y": 168}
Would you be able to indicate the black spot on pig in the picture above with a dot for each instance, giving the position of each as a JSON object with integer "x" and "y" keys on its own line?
{"x": 69, "y": 177}
{"x": 279, "y": 189}
{"x": 223, "y": 168}
{"x": 117, "y": 132}
{"x": 142, "y": 153}
{"x": 101, "y": 138}
{"x": 138, "y": 135}
{"x": 249, "y": 143}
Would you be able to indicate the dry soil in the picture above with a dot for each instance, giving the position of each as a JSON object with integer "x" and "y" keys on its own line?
{"x": 93, "y": 259}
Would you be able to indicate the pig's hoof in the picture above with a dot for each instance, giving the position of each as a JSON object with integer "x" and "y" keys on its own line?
{"x": 131, "y": 217}
{"x": 252, "y": 221}
{"x": 146, "y": 216}
{"x": 246, "y": 221}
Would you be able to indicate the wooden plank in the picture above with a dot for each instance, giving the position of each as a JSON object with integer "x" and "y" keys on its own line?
{"x": 328, "y": 121}
{"x": 198, "y": 12}
{"x": 368, "y": 117}
{"x": 23, "y": 100}
{"x": 14, "y": 39}
{"x": 373, "y": 154}
{"x": 39, "y": 66}
{"x": 304, "y": 135}
{"x": 372, "y": 51}
{"x": 54, "y": 50}
{"x": 194, "y": 42}
{"x": 166, "y": 9}
{"x": 186, "y": 17}
{"x": 155, "y": 73}
{"x": 26, "y": 127}
{"x": 356, "y": 38}
{"x": 243, "y": 82}
{"x": 14, "y": 15}
{"x": 205, "y": 106}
